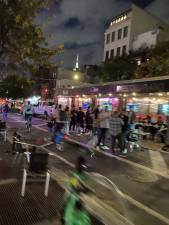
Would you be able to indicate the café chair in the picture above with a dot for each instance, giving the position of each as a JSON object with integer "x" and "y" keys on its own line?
{"x": 36, "y": 166}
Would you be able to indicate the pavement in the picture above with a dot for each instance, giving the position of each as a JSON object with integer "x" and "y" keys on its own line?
{"x": 130, "y": 190}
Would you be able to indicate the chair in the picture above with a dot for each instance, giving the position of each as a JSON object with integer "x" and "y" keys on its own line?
{"x": 37, "y": 164}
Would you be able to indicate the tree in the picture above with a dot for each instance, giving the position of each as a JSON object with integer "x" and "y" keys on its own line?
{"x": 15, "y": 87}
{"x": 119, "y": 68}
{"x": 22, "y": 42}
{"x": 157, "y": 64}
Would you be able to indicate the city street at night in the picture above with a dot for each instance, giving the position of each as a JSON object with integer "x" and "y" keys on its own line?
{"x": 132, "y": 189}
{"x": 84, "y": 112}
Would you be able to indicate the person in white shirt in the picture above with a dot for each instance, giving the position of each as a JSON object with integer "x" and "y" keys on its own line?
{"x": 104, "y": 126}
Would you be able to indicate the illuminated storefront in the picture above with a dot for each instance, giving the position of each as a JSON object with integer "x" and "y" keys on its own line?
{"x": 149, "y": 105}
{"x": 111, "y": 103}
{"x": 83, "y": 102}
{"x": 65, "y": 101}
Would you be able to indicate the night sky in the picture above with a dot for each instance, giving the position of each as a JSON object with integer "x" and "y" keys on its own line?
{"x": 80, "y": 25}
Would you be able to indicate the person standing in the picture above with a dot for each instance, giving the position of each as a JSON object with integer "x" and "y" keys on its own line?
{"x": 95, "y": 125}
{"x": 67, "y": 119}
{"x": 89, "y": 121}
{"x": 116, "y": 124}
{"x": 132, "y": 118}
{"x": 55, "y": 115}
{"x": 80, "y": 121}
{"x": 104, "y": 126}
{"x": 5, "y": 111}
{"x": 73, "y": 114}
{"x": 125, "y": 128}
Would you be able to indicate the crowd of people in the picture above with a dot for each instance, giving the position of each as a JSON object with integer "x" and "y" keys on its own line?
{"x": 95, "y": 122}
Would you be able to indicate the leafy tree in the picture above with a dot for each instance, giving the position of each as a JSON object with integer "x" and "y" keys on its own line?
{"x": 119, "y": 68}
{"x": 22, "y": 42}
{"x": 157, "y": 64}
{"x": 15, "y": 87}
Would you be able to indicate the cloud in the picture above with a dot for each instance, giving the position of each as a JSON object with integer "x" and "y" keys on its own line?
{"x": 160, "y": 8}
{"x": 80, "y": 25}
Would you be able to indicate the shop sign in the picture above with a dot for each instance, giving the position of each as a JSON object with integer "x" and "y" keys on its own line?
{"x": 94, "y": 90}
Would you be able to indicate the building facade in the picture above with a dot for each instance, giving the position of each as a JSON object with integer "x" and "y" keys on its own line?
{"x": 132, "y": 30}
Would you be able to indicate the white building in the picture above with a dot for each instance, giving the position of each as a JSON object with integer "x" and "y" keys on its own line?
{"x": 132, "y": 30}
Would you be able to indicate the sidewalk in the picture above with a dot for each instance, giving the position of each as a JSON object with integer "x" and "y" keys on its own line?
{"x": 34, "y": 208}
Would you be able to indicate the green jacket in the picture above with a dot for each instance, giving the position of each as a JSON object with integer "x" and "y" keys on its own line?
{"x": 74, "y": 216}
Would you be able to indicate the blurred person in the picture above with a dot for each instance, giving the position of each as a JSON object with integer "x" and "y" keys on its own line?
{"x": 96, "y": 112}
{"x": 148, "y": 119}
{"x": 125, "y": 128}
{"x": 55, "y": 114}
{"x": 104, "y": 117}
{"x": 88, "y": 121}
{"x": 116, "y": 124}
{"x": 28, "y": 114}
{"x": 67, "y": 119}
{"x": 80, "y": 121}
{"x": 132, "y": 117}
{"x": 5, "y": 110}
{"x": 73, "y": 115}
{"x": 50, "y": 125}
{"x": 160, "y": 121}
{"x": 74, "y": 212}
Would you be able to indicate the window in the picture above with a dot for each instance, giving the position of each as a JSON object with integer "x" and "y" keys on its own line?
{"x": 108, "y": 39}
{"x": 112, "y": 53}
{"x": 125, "y": 32}
{"x": 107, "y": 55}
{"x": 113, "y": 37}
{"x": 119, "y": 34}
{"x": 124, "y": 49}
{"x": 118, "y": 51}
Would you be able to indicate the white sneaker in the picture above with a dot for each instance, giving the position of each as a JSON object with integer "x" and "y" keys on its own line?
{"x": 105, "y": 147}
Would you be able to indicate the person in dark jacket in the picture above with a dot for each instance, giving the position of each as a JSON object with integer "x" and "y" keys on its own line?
{"x": 80, "y": 121}
{"x": 89, "y": 121}
{"x": 73, "y": 115}
{"x": 5, "y": 111}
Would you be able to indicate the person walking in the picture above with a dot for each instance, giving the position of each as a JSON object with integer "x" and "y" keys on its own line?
{"x": 104, "y": 126}
{"x": 28, "y": 113}
{"x": 5, "y": 111}
{"x": 116, "y": 124}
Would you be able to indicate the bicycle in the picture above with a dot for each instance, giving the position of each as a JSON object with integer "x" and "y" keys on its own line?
{"x": 28, "y": 119}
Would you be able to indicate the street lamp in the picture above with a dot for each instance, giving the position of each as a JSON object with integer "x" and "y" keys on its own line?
{"x": 76, "y": 76}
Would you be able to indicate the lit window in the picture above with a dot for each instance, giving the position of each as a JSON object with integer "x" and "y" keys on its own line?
{"x": 113, "y": 36}
{"x": 118, "y": 51}
{"x": 108, "y": 39}
{"x": 125, "y": 32}
{"x": 119, "y": 34}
